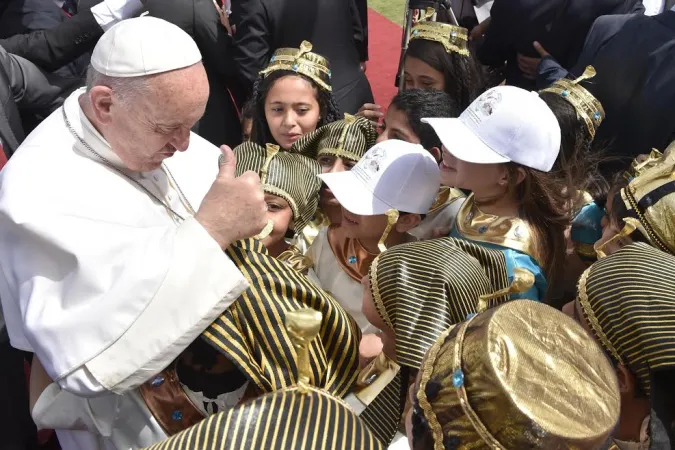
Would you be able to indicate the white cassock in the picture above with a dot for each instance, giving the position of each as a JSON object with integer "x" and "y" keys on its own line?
{"x": 100, "y": 281}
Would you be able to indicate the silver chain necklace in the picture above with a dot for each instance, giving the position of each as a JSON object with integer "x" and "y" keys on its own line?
{"x": 178, "y": 217}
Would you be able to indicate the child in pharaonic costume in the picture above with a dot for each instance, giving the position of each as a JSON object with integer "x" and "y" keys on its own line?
{"x": 383, "y": 197}
{"x": 503, "y": 148}
{"x": 626, "y": 301}
{"x": 519, "y": 376}
{"x": 248, "y": 352}
{"x": 291, "y": 185}
{"x": 337, "y": 147}
{"x": 413, "y": 293}
{"x": 641, "y": 206}
{"x": 297, "y": 417}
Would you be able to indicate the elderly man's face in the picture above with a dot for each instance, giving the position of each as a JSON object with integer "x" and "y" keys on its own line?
{"x": 148, "y": 129}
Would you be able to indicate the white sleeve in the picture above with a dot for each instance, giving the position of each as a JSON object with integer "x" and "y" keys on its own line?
{"x": 105, "y": 306}
{"x": 109, "y": 12}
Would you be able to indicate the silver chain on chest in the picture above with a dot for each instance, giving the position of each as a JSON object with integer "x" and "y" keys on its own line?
{"x": 184, "y": 200}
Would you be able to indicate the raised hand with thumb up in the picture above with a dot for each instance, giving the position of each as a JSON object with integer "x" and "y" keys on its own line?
{"x": 234, "y": 208}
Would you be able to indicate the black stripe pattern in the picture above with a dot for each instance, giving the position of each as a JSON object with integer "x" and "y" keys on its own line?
{"x": 628, "y": 299}
{"x": 286, "y": 420}
{"x": 290, "y": 176}
{"x": 349, "y": 138}
{"x": 252, "y": 332}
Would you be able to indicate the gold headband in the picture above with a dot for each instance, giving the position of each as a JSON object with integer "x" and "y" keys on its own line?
{"x": 303, "y": 61}
{"x": 588, "y": 108}
{"x": 453, "y": 38}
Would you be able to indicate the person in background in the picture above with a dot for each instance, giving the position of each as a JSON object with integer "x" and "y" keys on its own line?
{"x": 641, "y": 206}
{"x": 247, "y": 121}
{"x": 438, "y": 58}
{"x": 293, "y": 96}
{"x": 626, "y": 302}
{"x": 334, "y": 28}
{"x": 502, "y": 149}
{"x": 560, "y": 26}
{"x": 635, "y": 82}
{"x": 471, "y": 380}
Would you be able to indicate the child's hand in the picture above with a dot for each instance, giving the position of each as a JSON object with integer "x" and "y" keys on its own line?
{"x": 369, "y": 348}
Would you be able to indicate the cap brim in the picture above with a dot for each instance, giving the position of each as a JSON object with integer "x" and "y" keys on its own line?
{"x": 463, "y": 143}
{"x": 353, "y": 195}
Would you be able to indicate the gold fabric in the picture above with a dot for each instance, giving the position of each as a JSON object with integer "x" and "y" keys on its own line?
{"x": 518, "y": 376}
{"x": 650, "y": 198}
{"x": 349, "y": 138}
{"x": 453, "y": 38}
{"x": 509, "y": 232}
{"x": 290, "y": 176}
{"x": 303, "y": 240}
{"x": 302, "y": 61}
{"x": 295, "y": 258}
{"x": 349, "y": 253}
{"x": 446, "y": 196}
{"x": 287, "y": 420}
{"x": 629, "y": 301}
{"x": 588, "y": 108}
{"x": 251, "y": 332}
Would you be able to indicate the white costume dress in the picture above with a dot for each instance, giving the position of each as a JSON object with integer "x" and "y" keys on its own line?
{"x": 99, "y": 280}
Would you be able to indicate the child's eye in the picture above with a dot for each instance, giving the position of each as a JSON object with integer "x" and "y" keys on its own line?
{"x": 273, "y": 207}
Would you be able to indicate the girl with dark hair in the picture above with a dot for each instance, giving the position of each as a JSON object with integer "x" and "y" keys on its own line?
{"x": 503, "y": 149}
{"x": 292, "y": 97}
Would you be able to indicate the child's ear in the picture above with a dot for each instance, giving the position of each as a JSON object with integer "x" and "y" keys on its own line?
{"x": 407, "y": 222}
{"x": 436, "y": 153}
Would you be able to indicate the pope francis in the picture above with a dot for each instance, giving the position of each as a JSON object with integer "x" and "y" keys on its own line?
{"x": 113, "y": 221}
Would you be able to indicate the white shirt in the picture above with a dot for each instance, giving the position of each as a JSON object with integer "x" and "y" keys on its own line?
{"x": 95, "y": 276}
{"x": 347, "y": 291}
{"x": 109, "y": 12}
{"x": 653, "y": 7}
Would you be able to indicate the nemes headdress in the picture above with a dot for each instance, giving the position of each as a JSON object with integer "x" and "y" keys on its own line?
{"x": 349, "y": 138}
{"x": 650, "y": 199}
{"x": 290, "y": 176}
{"x": 588, "y": 108}
{"x": 298, "y": 417}
{"x": 521, "y": 375}
{"x": 453, "y": 38}
{"x": 303, "y": 61}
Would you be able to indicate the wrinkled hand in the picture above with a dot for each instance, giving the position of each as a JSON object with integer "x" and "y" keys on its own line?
{"x": 234, "y": 208}
{"x": 371, "y": 112}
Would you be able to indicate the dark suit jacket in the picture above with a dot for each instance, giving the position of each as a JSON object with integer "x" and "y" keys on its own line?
{"x": 25, "y": 16}
{"x": 55, "y": 47}
{"x": 26, "y": 90}
{"x": 333, "y": 27}
{"x": 560, "y": 26}
{"x": 634, "y": 56}
{"x": 220, "y": 123}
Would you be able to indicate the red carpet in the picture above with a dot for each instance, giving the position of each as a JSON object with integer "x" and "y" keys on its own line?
{"x": 384, "y": 42}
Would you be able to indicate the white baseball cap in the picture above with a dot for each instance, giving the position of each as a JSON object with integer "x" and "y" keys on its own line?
{"x": 504, "y": 124}
{"x": 392, "y": 175}
{"x": 143, "y": 46}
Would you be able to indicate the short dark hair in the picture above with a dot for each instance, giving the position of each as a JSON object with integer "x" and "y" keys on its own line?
{"x": 248, "y": 109}
{"x": 420, "y": 103}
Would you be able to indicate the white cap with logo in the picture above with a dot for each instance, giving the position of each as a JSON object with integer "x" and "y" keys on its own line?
{"x": 143, "y": 46}
{"x": 505, "y": 124}
{"x": 392, "y": 175}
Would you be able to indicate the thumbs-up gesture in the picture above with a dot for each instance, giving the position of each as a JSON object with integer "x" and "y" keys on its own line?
{"x": 234, "y": 208}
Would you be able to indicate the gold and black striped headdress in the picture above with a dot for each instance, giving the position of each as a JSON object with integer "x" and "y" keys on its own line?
{"x": 521, "y": 375}
{"x": 420, "y": 289}
{"x": 453, "y": 38}
{"x": 650, "y": 199}
{"x": 252, "y": 334}
{"x": 588, "y": 108}
{"x": 303, "y": 61}
{"x": 349, "y": 138}
{"x": 288, "y": 175}
{"x": 299, "y": 417}
{"x": 628, "y": 299}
